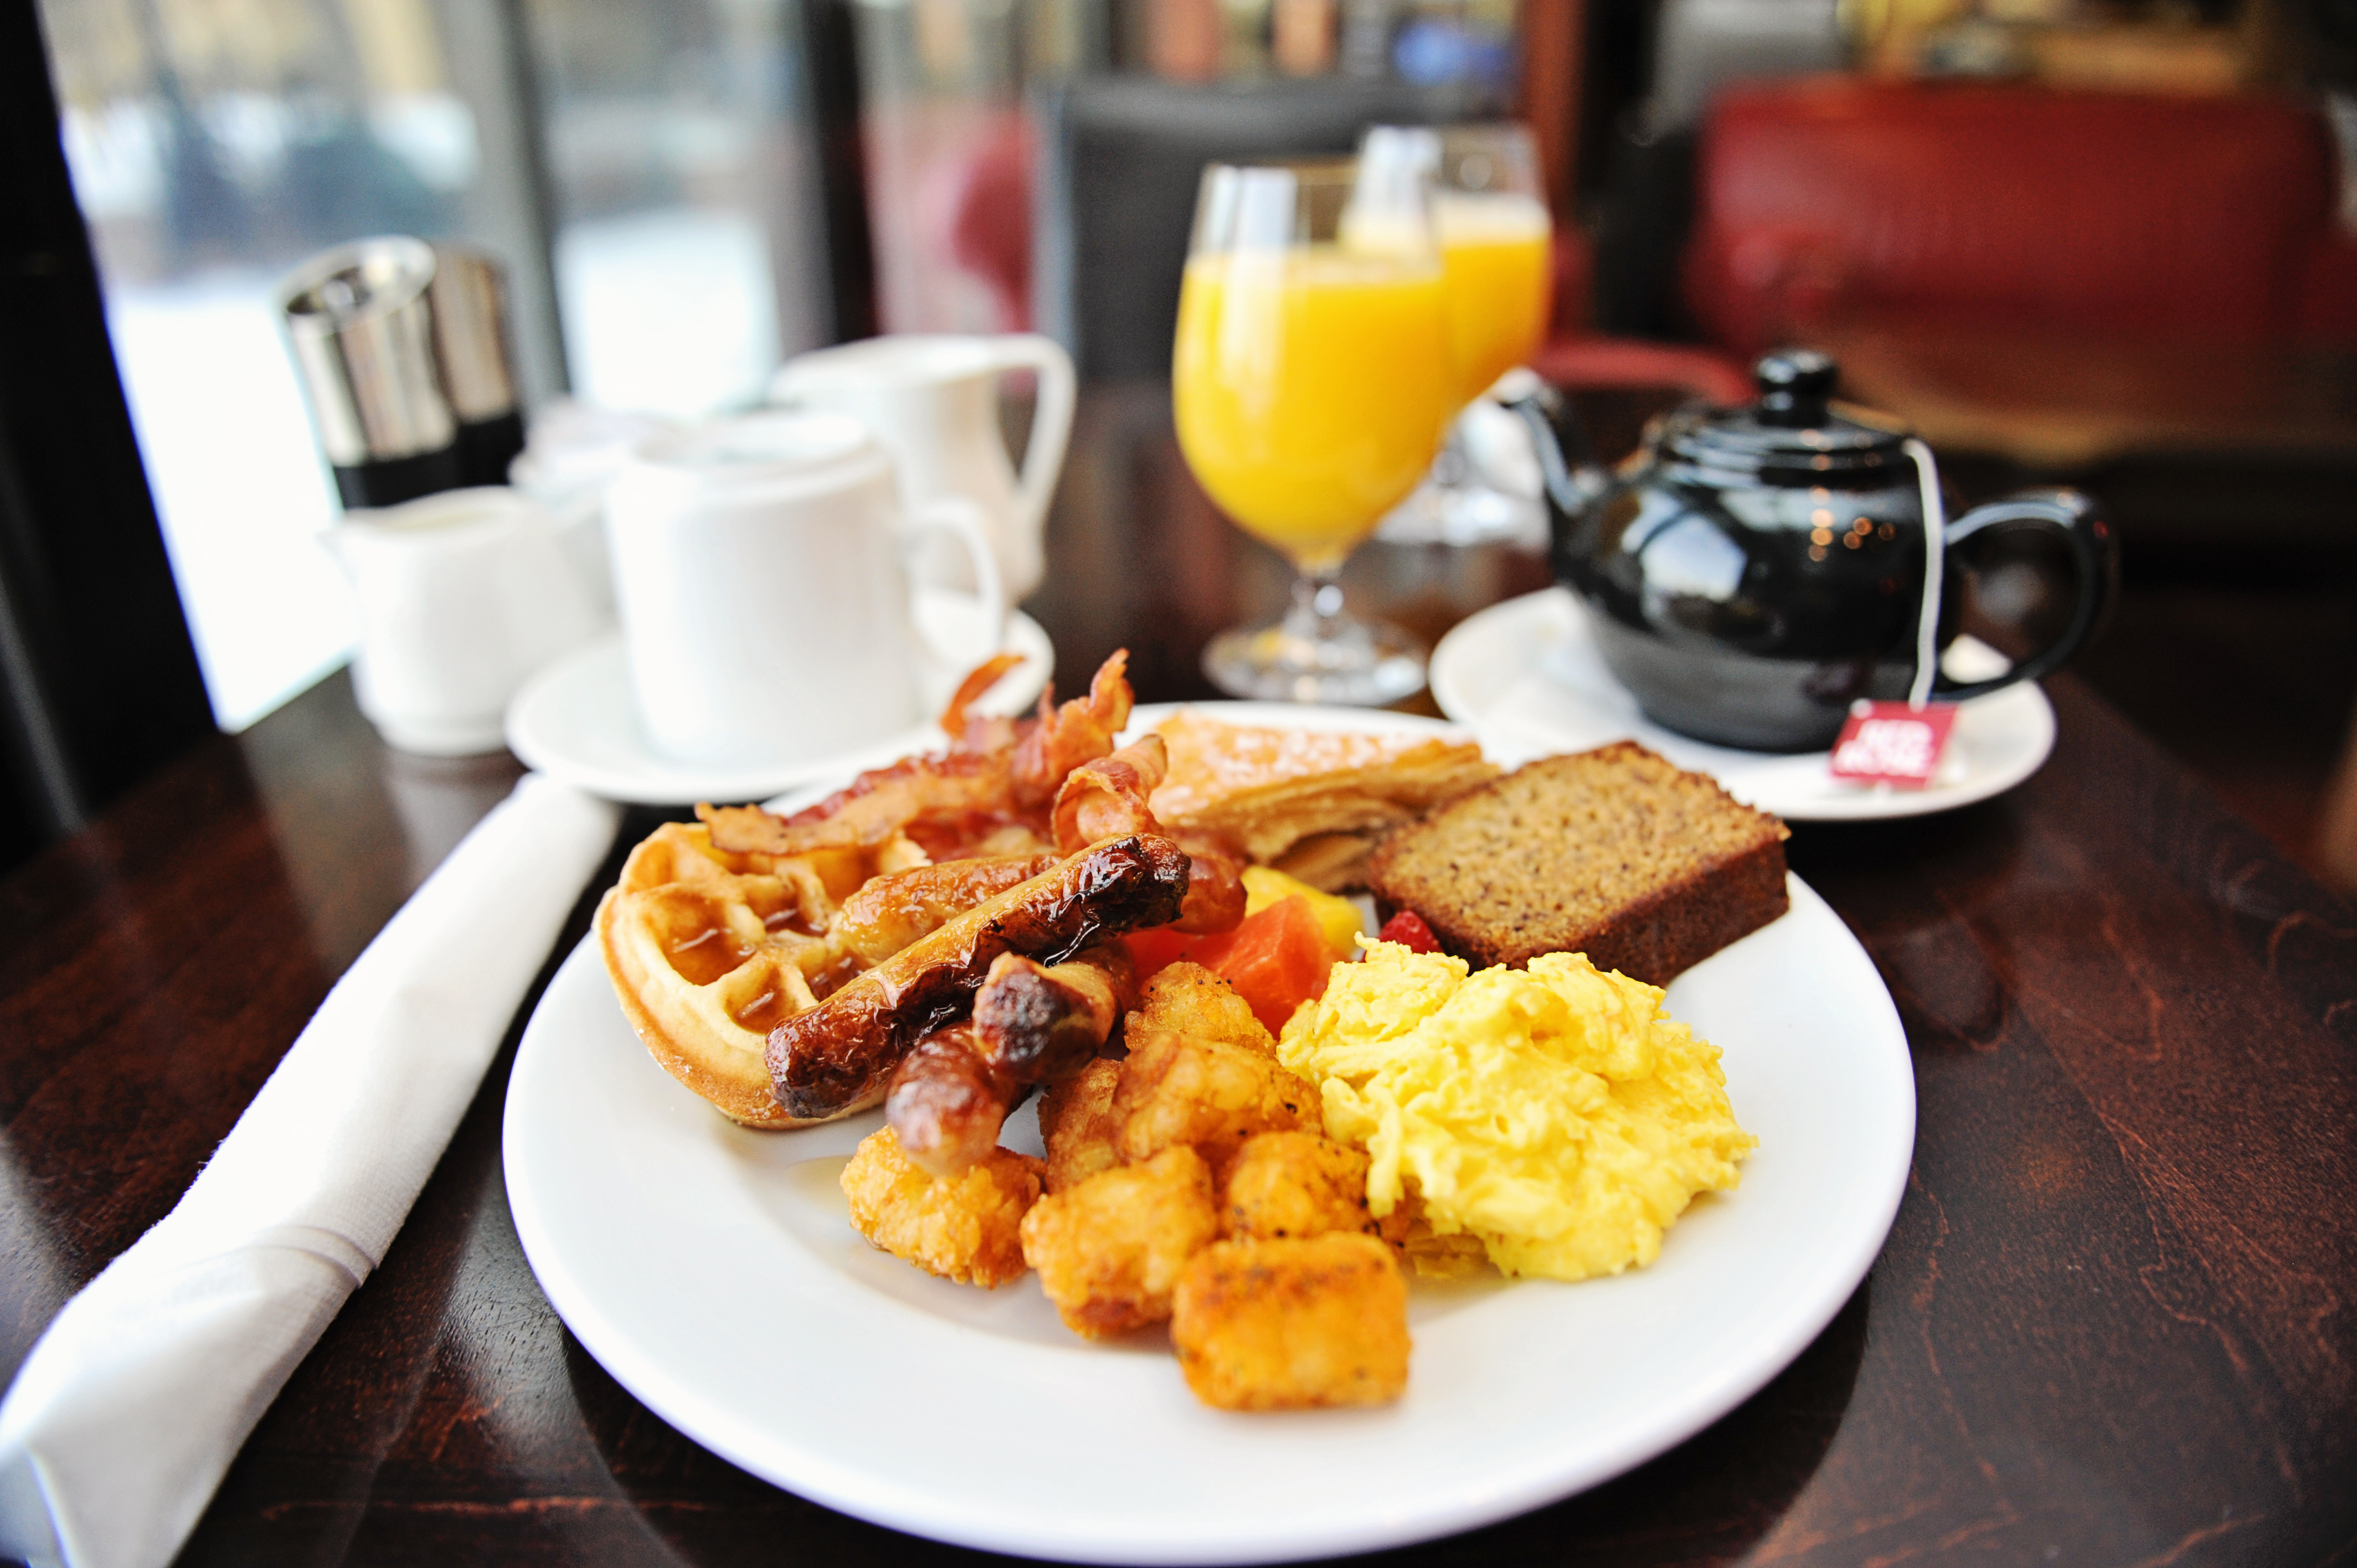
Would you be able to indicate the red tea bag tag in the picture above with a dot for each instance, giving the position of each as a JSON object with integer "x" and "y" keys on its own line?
{"x": 1893, "y": 743}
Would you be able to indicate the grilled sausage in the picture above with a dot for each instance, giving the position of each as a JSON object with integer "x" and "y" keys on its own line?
{"x": 893, "y": 910}
{"x": 836, "y": 1056}
{"x": 1039, "y": 1024}
{"x": 1112, "y": 795}
{"x": 946, "y": 1104}
{"x": 1032, "y": 1024}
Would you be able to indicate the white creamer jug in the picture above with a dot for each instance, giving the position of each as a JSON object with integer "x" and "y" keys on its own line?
{"x": 932, "y": 403}
{"x": 462, "y": 597}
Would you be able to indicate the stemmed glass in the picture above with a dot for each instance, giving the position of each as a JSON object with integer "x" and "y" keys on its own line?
{"x": 1311, "y": 381}
{"x": 1491, "y": 219}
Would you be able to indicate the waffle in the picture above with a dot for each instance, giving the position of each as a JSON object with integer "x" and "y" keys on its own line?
{"x": 709, "y": 951}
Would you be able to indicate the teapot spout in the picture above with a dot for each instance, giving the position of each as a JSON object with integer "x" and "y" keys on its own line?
{"x": 1575, "y": 479}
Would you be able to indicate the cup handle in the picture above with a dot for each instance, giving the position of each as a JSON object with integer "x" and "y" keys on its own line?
{"x": 1051, "y": 420}
{"x": 2094, "y": 550}
{"x": 963, "y": 520}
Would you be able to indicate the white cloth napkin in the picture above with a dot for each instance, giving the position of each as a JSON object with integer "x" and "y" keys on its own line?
{"x": 127, "y": 1413}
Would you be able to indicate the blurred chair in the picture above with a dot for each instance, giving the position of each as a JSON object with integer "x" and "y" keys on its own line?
{"x": 977, "y": 209}
{"x": 2189, "y": 220}
{"x": 2058, "y": 277}
{"x": 1577, "y": 358}
{"x": 1607, "y": 363}
{"x": 1119, "y": 161}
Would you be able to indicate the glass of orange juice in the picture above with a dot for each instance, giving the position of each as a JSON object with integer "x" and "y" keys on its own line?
{"x": 1490, "y": 218}
{"x": 1312, "y": 381}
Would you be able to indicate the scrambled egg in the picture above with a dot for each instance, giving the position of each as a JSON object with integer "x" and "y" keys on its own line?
{"x": 1555, "y": 1115}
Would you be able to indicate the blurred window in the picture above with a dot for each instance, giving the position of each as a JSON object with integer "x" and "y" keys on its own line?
{"x": 682, "y": 178}
{"x": 949, "y": 150}
{"x": 216, "y": 142}
{"x": 950, "y": 101}
{"x": 646, "y": 168}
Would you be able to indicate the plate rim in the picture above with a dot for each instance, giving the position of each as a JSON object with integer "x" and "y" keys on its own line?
{"x": 851, "y": 1489}
{"x": 1447, "y": 688}
{"x": 663, "y": 783}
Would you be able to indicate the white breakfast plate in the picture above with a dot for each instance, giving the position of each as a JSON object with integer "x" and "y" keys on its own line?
{"x": 578, "y": 720}
{"x": 1526, "y": 677}
{"x": 713, "y": 1271}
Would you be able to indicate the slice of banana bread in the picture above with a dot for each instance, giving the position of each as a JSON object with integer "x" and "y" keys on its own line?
{"x": 1614, "y": 852}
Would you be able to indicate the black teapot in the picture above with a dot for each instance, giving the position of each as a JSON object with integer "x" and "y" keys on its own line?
{"x": 1750, "y": 574}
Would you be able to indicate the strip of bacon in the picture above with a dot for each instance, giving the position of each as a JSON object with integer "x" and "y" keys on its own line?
{"x": 970, "y": 791}
{"x": 1080, "y": 731}
{"x": 1108, "y": 797}
{"x": 970, "y": 731}
{"x": 875, "y": 806}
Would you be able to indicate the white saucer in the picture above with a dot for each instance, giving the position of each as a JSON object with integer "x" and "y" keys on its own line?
{"x": 1526, "y": 677}
{"x": 578, "y": 720}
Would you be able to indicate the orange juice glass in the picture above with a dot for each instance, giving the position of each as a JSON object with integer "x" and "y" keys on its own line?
{"x": 1288, "y": 406}
{"x": 1494, "y": 234}
{"x": 1495, "y": 258}
{"x": 1311, "y": 381}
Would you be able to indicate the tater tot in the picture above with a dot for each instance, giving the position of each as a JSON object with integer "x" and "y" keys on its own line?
{"x": 1292, "y": 1323}
{"x": 1109, "y": 1251}
{"x": 1181, "y": 1088}
{"x": 967, "y": 1229}
{"x": 1187, "y": 999}
{"x": 1280, "y": 1184}
{"x": 1077, "y": 1122}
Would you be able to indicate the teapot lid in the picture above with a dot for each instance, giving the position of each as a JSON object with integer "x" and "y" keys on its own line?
{"x": 1793, "y": 434}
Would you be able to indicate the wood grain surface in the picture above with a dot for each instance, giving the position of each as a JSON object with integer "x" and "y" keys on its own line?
{"x": 2115, "y": 1323}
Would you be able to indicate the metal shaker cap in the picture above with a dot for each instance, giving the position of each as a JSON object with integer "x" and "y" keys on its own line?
{"x": 362, "y": 331}
{"x": 470, "y": 332}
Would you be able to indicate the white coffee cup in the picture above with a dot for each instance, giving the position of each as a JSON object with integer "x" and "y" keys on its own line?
{"x": 462, "y": 597}
{"x": 760, "y": 564}
{"x": 933, "y": 400}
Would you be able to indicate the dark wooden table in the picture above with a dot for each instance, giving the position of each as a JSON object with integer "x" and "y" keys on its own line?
{"x": 2116, "y": 1322}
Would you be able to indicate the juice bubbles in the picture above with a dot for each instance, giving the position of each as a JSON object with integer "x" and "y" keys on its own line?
{"x": 1309, "y": 393}
{"x": 1493, "y": 252}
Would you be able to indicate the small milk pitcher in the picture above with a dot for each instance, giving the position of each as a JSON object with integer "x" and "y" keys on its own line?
{"x": 462, "y": 597}
{"x": 931, "y": 402}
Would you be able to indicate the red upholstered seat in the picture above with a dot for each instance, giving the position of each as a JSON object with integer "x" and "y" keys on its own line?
{"x": 1612, "y": 362}
{"x": 1574, "y": 358}
{"x": 2191, "y": 220}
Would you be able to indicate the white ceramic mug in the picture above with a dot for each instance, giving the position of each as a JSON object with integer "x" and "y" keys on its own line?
{"x": 933, "y": 400}
{"x": 462, "y": 596}
{"x": 760, "y": 564}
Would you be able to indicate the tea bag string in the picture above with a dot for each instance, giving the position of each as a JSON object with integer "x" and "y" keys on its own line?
{"x": 1935, "y": 552}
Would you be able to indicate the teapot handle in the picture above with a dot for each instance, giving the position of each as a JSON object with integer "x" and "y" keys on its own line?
{"x": 2075, "y": 518}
